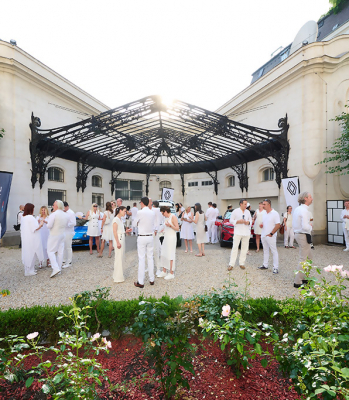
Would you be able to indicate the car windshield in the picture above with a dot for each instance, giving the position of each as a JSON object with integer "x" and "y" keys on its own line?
{"x": 227, "y": 215}
{"x": 80, "y": 222}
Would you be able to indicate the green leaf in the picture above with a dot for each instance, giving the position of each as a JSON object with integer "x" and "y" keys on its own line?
{"x": 29, "y": 381}
{"x": 258, "y": 348}
{"x": 264, "y": 363}
{"x": 317, "y": 391}
{"x": 240, "y": 348}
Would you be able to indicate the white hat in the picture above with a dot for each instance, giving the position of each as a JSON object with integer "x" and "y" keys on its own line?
{"x": 248, "y": 205}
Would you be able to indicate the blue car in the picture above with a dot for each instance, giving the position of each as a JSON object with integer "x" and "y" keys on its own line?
{"x": 80, "y": 237}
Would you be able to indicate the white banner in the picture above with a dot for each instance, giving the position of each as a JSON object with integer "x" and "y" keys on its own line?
{"x": 167, "y": 194}
{"x": 291, "y": 190}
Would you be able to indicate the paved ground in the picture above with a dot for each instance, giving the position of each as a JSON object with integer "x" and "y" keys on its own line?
{"x": 193, "y": 275}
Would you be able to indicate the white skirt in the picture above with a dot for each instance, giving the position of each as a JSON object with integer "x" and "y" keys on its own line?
{"x": 108, "y": 232}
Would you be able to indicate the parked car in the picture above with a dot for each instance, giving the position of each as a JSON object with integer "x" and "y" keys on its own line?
{"x": 80, "y": 237}
{"x": 226, "y": 231}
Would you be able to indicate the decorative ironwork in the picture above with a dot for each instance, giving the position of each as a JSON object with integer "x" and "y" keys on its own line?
{"x": 83, "y": 169}
{"x": 146, "y": 136}
{"x": 39, "y": 158}
{"x": 213, "y": 175}
{"x": 114, "y": 177}
{"x": 241, "y": 172}
{"x": 147, "y": 185}
{"x": 183, "y": 184}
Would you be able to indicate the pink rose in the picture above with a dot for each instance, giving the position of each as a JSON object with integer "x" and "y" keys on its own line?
{"x": 328, "y": 268}
{"x": 32, "y": 335}
{"x": 95, "y": 336}
{"x": 345, "y": 273}
{"x": 226, "y": 310}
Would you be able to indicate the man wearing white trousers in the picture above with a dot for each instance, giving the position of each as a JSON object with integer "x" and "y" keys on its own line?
{"x": 345, "y": 220}
{"x": 270, "y": 225}
{"x": 211, "y": 217}
{"x": 241, "y": 219}
{"x": 145, "y": 242}
{"x": 57, "y": 224}
{"x": 288, "y": 230}
{"x": 69, "y": 234}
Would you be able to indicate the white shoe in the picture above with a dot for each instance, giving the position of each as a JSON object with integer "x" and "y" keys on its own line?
{"x": 169, "y": 276}
{"x": 346, "y": 249}
{"x": 162, "y": 274}
{"x": 66, "y": 265}
{"x": 158, "y": 273}
{"x": 30, "y": 274}
{"x": 54, "y": 273}
{"x": 275, "y": 270}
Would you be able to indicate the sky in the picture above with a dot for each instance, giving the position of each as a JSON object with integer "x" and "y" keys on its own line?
{"x": 201, "y": 52}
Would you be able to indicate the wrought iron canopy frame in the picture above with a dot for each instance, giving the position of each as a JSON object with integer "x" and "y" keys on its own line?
{"x": 149, "y": 137}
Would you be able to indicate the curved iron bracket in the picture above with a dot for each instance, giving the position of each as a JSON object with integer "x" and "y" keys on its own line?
{"x": 215, "y": 180}
{"x": 83, "y": 169}
{"x": 241, "y": 172}
{"x": 183, "y": 185}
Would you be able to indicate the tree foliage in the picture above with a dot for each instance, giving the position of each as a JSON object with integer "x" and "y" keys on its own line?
{"x": 339, "y": 152}
{"x": 337, "y": 5}
{"x": 2, "y": 132}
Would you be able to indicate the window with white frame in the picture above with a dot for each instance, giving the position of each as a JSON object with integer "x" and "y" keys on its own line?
{"x": 164, "y": 184}
{"x": 55, "y": 194}
{"x": 231, "y": 181}
{"x": 98, "y": 198}
{"x": 129, "y": 190}
{"x": 268, "y": 175}
{"x": 190, "y": 184}
{"x": 206, "y": 183}
{"x": 55, "y": 174}
{"x": 96, "y": 181}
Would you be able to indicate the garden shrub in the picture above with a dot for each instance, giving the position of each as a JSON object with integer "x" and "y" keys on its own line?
{"x": 114, "y": 316}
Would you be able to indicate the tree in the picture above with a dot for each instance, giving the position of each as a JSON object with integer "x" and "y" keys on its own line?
{"x": 337, "y": 5}
{"x": 2, "y": 132}
{"x": 339, "y": 152}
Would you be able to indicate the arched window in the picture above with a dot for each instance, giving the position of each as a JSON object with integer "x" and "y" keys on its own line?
{"x": 55, "y": 174}
{"x": 231, "y": 181}
{"x": 164, "y": 184}
{"x": 96, "y": 181}
{"x": 268, "y": 174}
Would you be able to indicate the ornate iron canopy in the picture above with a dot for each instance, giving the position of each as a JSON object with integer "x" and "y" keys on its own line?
{"x": 148, "y": 136}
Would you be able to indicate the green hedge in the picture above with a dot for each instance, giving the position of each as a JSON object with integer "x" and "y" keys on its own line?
{"x": 114, "y": 316}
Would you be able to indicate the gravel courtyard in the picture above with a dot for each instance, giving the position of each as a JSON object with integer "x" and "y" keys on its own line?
{"x": 194, "y": 275}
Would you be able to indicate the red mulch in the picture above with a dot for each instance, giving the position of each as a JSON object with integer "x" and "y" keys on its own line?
{"x": 214, "y": 379}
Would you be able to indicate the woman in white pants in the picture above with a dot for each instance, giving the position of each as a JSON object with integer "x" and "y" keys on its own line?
{"x": 288, "y": 231}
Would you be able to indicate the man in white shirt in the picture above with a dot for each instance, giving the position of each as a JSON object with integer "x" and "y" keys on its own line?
{"x": 19, "y": 220}
{"x": 69, "y": 234}
{"x": 119, "y": 204}
{"x": 345, "y": 220}
{"x": 241, "y": 219}
{"x": 134, "y": 211}
{"x": 270, "y": 225}
{"x": 145, "y": 242}
{"x": 302, "y": 229}
{"x": 211, "y": 217}
{"x": 57, "y": 224}
{"x": 159, "y": 220}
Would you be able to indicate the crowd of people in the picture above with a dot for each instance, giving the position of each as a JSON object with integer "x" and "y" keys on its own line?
{"x": 48, "y": 237}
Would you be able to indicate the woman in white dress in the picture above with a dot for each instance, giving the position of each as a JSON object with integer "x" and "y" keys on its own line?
{"x": 31, "y": 241}
{"x": 93, "y": 216}
{"x": 201, "y": 234}
{"x": 187, "y": 232}
{"x": 168, "y": 248}
{"x": 107, "y": 229}
{"x": 44, "y": 232}
{"x": 258, "y": 220}
{"x": 119, "y": 244}
{"x": 288, "y": 229}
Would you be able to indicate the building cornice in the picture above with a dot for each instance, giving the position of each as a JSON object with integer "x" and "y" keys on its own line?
{"x": 322, "y": 56}
{"x": 17, "y": 62}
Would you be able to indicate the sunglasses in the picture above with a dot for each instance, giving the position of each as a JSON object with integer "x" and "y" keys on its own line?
{"x": 95, "y": 206}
